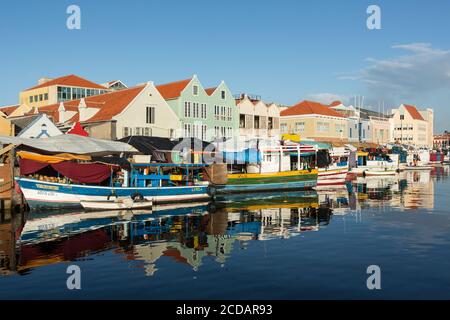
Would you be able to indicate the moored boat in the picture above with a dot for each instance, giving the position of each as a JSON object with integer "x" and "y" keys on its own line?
{"x": 119, "y": 204}
{"x": 334, "y": 173}
{"x": 267, "y": 166}
{"x": 380, "y": 172}
{"x": 419, "y": 167}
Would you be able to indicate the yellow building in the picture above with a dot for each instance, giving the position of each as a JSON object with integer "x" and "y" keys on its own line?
{"x": 412, "y": 127}
{"x": 6, "y": 127}
{"x": 314, "y": 121}
{"x": 51, "y": 91}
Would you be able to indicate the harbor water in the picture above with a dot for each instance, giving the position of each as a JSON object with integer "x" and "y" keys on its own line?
{"x": 292, "y": 245}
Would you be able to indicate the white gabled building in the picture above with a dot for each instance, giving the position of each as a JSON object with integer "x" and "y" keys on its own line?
{"x": 258, "y": 119}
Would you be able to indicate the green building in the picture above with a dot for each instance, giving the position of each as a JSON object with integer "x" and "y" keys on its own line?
{"x": 206, "y": 114}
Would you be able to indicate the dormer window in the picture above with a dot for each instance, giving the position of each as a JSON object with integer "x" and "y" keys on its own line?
{"x": 223, "y": 95}
{"x": 195, "y": 90}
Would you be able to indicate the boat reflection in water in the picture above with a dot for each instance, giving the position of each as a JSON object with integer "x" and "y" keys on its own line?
{"x": 188, "y": 233}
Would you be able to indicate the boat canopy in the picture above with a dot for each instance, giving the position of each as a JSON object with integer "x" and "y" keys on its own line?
{"x": 164, "y": 149}
{"x": 74, "y": 144}
{"x": 317, "y": 144}
{"x": 58, "y": 158}
{"x": 240, "y": 145}
{"x": 245, "y": 156}
{"x": 78, "y": 172}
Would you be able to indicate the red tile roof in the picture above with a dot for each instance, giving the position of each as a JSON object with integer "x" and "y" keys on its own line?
{"x": 413, "y": 112}
{"x": 310, "y": 107}
{"x": 172, "y": 90}
{"x": 210, "y": 91}
{"x": 335, "y": 103}
{"x": 8, "y": 110}
{"x": 70, "y": 80}
{"x": 109, "y": 105}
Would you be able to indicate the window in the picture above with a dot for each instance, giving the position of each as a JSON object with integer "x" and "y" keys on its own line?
{"x": 323, "y": 126}
{"x": 242, "y": 121}
{"x": 216, "y": 131}
{"x": 187, "y": 130}
{"x": 31, "y": 99}
{"x": 299, "y": 127}
{"x": 203, "y": 110}
{"x": 36, "y": 98}
{"x": 222, "y": 113}
{"x": 270, "y": 123}
{"x": 196, "y": 110}
{"x": 351, "y": 134}
{"x": 150, "y": 116}
{"x": 195, "y": 90}
{"x": 45, "y": 96}
{"x": 256, "y": 122}
{"x": 283, "y": 128}
{"x": 147, "y": 132}
{"x": 127, "y": 131}
{"x": 138, "y": 131}
{"x": 204, "y": 128}
{"x": 222, "y": 94}
{"x": 216, "y": 112}
{"x": 186, "y": 107}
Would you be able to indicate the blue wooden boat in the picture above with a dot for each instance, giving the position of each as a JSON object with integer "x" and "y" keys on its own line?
{"x": 158, "y": 188}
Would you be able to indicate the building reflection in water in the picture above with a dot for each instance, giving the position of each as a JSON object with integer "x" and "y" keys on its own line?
{"x": 190, "y": 233}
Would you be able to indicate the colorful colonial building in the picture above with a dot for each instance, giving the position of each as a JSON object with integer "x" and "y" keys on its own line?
{"x": 314, "y": 121}
{"x": 139, "y": 110}
{"x": 206, "y": 114}
{"x": 411, "y": 126}
{"x": 50, "y": 91}
{"x": 257, "y": 119}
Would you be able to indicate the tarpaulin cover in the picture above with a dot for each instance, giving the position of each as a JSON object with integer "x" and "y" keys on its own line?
{"x": 68, "y": 143}
{"x": 78, "y": 172}
{"x": 157, "y": 147}
{"x": 51, "y": 159}
{"x": 246, "y": 156}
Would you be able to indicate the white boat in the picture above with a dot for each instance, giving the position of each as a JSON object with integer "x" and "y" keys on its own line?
{"x": 116, "y": 204}
{"x": 421, "y": 167}
{"x": 332, "y": 177}
{"x": 336, "y": 173}
{"x": 380, "y": 172}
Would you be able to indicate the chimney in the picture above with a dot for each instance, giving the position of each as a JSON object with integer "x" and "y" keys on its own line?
{"x": 82, "y": 110}
{"x": 44, "y": 80}
{"x": 62, "y": 113}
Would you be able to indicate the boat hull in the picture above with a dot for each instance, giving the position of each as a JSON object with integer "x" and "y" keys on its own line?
{"x": 115, "y": 205}
{"x": 280, "y": 181}
{"x": 332, "y": 178}
{"x": 47, "y": 195}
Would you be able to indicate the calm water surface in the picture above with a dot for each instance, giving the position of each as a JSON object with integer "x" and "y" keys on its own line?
{"x": 310, "y": 245}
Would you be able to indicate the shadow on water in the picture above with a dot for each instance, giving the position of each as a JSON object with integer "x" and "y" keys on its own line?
{"x": 187, "y": 234}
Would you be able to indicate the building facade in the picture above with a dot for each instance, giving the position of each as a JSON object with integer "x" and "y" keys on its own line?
{"x": 206, "y": 114}
{"x": 258, "y": 119}
{"x": 38, "y": 126}
{"x": 139, "y": 111}
{"x": 411, "y": 126}
{"x": 314, "y": 121}
{"x": 441, "y": 141}
{"x": 6, "y": 127}
{"x": 51, "y": 91}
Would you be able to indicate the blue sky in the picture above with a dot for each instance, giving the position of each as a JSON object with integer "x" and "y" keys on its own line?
{"x": 285, "y": 51}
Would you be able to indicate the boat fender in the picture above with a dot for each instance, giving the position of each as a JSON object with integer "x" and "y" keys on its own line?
{"x": 137, "y": 196}
{"x": 112, "y": 195}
